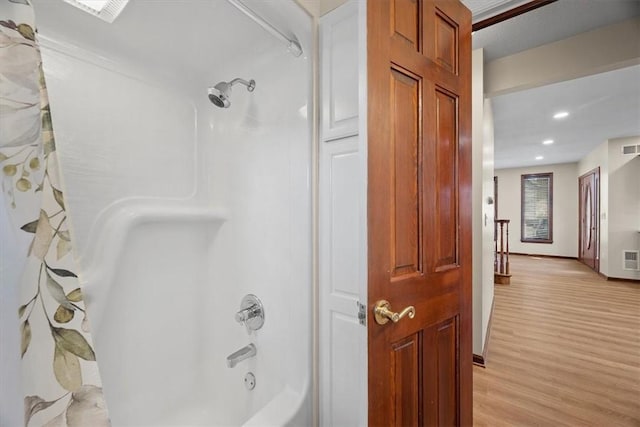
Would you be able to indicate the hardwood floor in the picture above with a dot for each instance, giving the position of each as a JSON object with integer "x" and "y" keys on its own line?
{"x": 564, "y": 349}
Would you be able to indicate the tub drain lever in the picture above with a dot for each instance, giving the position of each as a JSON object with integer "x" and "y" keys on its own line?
{"x": 251, "y": 313}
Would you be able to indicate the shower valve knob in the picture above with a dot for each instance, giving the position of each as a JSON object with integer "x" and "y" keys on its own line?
{"x": 251, "y": 313}
{"x": 248, "y": 313}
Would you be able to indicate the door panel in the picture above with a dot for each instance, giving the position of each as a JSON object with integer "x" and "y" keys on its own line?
{"x": 419, "y": 200}
{"x": 441, "y": 374}
{"x": 405, "y": 362}
{"x": 407, "y": 21}
{"x": 446, "y": 42}
{"x": 446, "y": 215}
{"x": 447, "y": 373}
{"x": 405, "y": 166}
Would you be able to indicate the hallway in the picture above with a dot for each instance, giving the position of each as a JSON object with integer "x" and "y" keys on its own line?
{"x": 564, "y": 349}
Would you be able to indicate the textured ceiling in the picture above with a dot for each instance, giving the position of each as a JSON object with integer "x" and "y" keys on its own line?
{"x": 601, "y": 107}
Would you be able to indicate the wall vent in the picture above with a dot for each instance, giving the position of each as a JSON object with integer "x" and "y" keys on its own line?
{"x": 631, "y": 260}
{"x": 631, "y": 149}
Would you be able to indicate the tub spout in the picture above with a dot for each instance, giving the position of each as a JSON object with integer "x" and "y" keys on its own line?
{"x": 242, "y": 354}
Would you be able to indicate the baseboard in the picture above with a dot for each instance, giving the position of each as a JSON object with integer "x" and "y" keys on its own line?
{"x": 544, "y": 256}
{"x": 620, "y": 279}
{"x": 478, "y": 360}
{"x": 617, "y": 279}
{"x": 485, "y": 349}
{"x": 481, "y": 360}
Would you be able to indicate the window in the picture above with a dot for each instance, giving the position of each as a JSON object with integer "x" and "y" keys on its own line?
{"x": 537, "y": 208}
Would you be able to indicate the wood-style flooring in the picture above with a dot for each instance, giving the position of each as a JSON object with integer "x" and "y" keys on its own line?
{"x": 564, "y": 349}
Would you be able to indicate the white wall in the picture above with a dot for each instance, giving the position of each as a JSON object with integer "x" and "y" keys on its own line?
{"x": 488, "y": 217}
{"x": 329, "y": 5}
{"x": 107, "y": 154}
{"x": 482, "y": 216}
{"x": 565, "y": 209}
{"x": 476, "y": 193}
{"x": 624, "y": 206}
{"x": 619, "y": 203}
{"x": 603, "y": 49}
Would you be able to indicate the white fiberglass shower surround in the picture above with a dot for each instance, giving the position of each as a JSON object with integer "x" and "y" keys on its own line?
{"x": 180, "y": 208}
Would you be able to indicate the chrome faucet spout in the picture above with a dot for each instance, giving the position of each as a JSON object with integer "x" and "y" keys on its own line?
{"x": 244, "y": 353}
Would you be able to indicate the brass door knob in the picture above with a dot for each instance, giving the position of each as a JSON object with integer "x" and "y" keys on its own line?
{"x": 382, "y": 312}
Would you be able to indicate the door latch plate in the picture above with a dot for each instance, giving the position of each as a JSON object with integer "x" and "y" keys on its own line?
{"x": 362, "y": 313}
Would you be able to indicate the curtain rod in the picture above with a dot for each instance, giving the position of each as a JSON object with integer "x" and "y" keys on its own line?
{"x": 292, "y": 45}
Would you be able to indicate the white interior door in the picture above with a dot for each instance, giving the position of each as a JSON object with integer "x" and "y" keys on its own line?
{"x": 343, "y": 221}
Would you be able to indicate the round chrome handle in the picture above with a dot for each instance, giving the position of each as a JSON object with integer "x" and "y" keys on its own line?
{"x": 251, "y": 313}
{"x": 382, "y": 312}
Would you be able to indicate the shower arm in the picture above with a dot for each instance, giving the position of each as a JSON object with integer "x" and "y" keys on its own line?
{"x": 292, "y": 45}
{"x": 251, "y": 84}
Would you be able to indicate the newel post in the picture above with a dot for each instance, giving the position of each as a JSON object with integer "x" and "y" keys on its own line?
{"x": 501, "y": 270}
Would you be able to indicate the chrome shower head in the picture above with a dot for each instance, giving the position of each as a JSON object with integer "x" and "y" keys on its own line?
{"x": 220, "y": 93}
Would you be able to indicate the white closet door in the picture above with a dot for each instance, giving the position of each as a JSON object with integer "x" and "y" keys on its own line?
{"x": 343, "y": 221}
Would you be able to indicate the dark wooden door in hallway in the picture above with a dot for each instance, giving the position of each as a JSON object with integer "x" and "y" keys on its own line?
{"x": 589, "y": 219}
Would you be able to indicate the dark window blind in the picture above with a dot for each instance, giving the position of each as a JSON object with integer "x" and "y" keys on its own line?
{"x": 537, "y": 208}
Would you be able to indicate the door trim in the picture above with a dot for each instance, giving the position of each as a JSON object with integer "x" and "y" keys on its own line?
{"x": 511, "y": 13}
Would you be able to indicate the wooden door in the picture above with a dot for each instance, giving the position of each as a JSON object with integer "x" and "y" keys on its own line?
{"x": 419, "y": 211}
{"x": 589, "y": 228}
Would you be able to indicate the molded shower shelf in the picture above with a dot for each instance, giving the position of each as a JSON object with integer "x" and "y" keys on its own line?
{"x": 117, "y": 228}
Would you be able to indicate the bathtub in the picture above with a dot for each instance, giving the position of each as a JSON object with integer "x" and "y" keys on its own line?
{"x": 163, "y": 324}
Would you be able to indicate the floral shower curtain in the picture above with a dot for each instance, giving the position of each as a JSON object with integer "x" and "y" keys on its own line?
{"x": 60, "y": 377}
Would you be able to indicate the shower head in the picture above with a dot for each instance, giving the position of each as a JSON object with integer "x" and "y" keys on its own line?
{"x": 220, "y": 93}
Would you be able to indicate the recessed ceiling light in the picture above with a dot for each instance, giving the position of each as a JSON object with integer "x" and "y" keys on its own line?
{"x": 547, "y": 141}
{"x": 560, "y": 115}
{"x": 539, "y": 157}
{"x": 107, "y": 10}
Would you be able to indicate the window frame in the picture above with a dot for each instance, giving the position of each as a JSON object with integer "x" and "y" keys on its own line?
{"x": 523, "y": 178}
